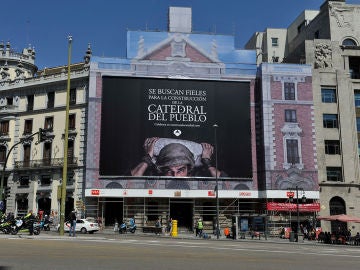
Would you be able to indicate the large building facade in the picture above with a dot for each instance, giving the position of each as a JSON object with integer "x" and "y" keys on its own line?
{"x": 199, "y": 91}
{"x": 30, "y": 100}
{"x": 328, "y": 40}
{"x": 188, "y": 126}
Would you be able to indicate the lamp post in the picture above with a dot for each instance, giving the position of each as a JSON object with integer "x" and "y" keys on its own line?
{"x": 303, "y": 199}
{"x": 297, "y": 212}
{"x": 64, "y": 175}
{"x": 215, "y": 126}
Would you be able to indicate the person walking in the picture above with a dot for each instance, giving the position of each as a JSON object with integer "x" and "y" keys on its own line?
{"x": 72, "y": 219}
{"x": 200, "y": 227}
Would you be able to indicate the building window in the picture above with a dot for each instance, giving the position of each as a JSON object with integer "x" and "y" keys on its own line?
{"x": 330, "y": 121}
{"x": 72, "y": 118}
{"x": 358, "y": 124}
{"x": 349, "y": 42}
{"x": 9, "y": 101}
{"x": 357, "y": 98}
{"x": 72, "y": 96}
{"x": 51, "y": 100}
{"x": 334, "y": 174}
{"x": 27, "y": 155}
{"x": 24, "y": 181}
{"x": 30, "y": 103}
{"x": 332, "y": 147}
{"x": 45, "y": 180}
{"x": 289, "y": 91}
{"x": 328, "y": 95}
{"x": 71, "y": 152}
{"x": 49, "y": 123}
{"x": 292, "y": 151}
{"x": 28, "y": 126}
{"x": 4, "y": 128}
{"x": 274, "y": 42}
{"x": 47, "y": 153}
{"x": 354, "y": 67}
{"x": 2, "y": 153}
{"x": 290, "y": 116}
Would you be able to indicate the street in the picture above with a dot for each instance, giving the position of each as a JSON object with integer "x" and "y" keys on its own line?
{"x": 139, "y": 252}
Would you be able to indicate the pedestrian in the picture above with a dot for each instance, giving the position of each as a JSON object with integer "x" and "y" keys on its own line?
{"x": 72, "y": 219}
{"x": 169, "y": 226}
{"x": 305, "y": 231}
{"x": 233, "y": 231}
{"x": 158, "y": 226}
{"x": 29, "y": 219}
{"x": 200, "y": 227}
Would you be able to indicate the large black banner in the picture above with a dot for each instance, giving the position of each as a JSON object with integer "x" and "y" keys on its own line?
{"x": 155, "y": 126}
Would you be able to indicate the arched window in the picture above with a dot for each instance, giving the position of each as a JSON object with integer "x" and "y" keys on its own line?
{"x": 337, "y": 207}
{"x": 349, "y": 42}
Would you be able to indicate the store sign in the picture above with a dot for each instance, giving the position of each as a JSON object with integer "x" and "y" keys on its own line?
{"x": 95, "y": 192}
{"x": 290, "y": 194}
{"x": 292, "y": 207}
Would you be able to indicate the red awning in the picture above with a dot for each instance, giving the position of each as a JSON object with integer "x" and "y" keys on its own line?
{"x": 292, "y": 207}
{"x": 342, "y": 217}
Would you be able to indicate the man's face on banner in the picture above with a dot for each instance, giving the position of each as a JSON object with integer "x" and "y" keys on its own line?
{"x": 176, "y": 171}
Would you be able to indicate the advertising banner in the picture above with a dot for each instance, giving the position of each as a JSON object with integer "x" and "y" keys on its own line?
{"x": 292, "y": 207}
{"x": 172, "y": 128}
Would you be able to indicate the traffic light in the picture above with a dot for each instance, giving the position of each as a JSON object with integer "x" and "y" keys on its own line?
{"x": 42, "y": 135}
{"x": 7, "y": 192}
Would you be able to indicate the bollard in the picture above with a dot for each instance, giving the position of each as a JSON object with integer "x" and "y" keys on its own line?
{"x": 174, "y": 228}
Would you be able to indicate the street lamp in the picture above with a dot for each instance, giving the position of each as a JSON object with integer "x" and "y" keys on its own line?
{"x": 303, "y": 200}
{"x": 215, "y": 126}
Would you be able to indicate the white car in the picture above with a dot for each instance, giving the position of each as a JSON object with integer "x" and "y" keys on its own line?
{"x": 82, "y": 225}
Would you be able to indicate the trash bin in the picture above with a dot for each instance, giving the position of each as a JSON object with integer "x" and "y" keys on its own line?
{"x": 292, "y": 237}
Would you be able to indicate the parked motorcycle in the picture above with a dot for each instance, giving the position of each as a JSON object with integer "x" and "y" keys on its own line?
{"x": 6, "y": 222}
{"x": 23, "y": 224}
{"x": 130, "y": 227}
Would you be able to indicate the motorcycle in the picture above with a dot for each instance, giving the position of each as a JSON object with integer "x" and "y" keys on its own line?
{"x": 131, "y": 227}
{"x": 5, "y": 223}
{"x": 22, "y": 225}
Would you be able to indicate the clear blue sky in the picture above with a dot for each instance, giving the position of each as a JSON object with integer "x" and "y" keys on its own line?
{"x": 46, "y": 24}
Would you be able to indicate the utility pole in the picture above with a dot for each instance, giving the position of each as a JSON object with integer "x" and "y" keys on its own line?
{"x": 64, "y": 176}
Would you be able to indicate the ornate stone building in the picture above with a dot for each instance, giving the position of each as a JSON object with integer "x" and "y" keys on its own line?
{"x": 30, "y": 100}
{"x": 329, "y": 41}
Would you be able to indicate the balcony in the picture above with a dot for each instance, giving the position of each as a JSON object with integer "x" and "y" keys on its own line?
{"x": 44, "y": 163}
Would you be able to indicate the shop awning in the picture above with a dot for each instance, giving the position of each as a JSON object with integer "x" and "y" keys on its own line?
{"x": 342, "y": 217}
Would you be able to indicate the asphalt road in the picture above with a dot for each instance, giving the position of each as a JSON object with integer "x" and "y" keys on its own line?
{"x": 136, "y": 252}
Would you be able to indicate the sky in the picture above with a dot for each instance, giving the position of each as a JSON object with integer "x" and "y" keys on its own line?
{"x": 46, "y": 24}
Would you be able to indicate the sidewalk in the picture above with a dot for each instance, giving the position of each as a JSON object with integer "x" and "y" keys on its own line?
{"x": 108, "y": 233}
{"x": 189, "y": 235}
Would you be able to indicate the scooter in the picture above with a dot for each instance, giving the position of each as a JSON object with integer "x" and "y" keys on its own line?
{"x": 45, "y": 224}
{"x": 131, "y": 227}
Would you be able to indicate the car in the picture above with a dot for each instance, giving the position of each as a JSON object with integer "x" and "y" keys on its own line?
{"x": 83, "y": 225}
